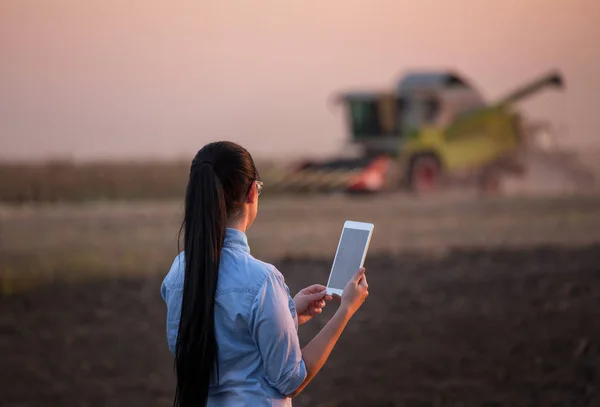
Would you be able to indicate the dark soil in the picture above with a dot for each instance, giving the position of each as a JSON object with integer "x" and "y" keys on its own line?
{"x": 472, "y": 328}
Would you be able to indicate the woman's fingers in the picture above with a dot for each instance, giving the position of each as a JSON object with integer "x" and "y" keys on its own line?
{"x": 363, "y": 282}
{"x": 313, "y": 289}
{"x": 318, "y": 304}
{"x": 357, "y": 276}
{"x": 318, "y": 296}
{"x": 316, "y": 307}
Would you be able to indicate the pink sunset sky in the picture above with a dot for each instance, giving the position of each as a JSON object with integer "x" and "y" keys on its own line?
{"x": 147, "y": 78}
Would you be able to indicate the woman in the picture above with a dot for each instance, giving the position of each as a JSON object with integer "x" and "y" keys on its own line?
{"x": 231, "y": 322}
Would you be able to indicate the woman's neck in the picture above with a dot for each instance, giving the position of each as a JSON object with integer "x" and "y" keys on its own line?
{"x": 239, "y": 222}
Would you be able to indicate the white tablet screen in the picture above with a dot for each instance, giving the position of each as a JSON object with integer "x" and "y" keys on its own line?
{"x": 348, "y": 258}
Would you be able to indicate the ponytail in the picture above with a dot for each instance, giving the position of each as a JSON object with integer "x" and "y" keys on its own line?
{"x": 205, "y": 219}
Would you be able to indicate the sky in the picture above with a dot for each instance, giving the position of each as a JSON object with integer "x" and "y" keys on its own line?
{"x": 124, "y": 79}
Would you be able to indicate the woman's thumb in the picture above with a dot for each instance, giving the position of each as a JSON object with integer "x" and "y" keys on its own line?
{"x": 358, "y": 275}
{"x": 316, "y": 296}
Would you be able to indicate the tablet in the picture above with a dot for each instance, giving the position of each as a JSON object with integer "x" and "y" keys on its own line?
{"x": 350, "y": 254}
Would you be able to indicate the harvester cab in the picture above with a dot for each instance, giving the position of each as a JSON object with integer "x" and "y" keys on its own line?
{"x": 381, "y": 122}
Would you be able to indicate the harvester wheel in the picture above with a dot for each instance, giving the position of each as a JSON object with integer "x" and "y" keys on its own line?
{"x": 424, "y": 174}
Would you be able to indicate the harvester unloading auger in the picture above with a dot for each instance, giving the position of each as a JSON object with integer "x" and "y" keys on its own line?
{"x": 434, "y": 129}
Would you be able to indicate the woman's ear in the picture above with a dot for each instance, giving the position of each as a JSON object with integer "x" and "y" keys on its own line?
{"x": 252, "y": 194}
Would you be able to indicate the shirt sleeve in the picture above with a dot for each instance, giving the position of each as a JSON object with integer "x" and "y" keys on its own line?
{"x": 172, "y": 296}
{"x": 172, "y": 299}
{"x": 273, "y": 329}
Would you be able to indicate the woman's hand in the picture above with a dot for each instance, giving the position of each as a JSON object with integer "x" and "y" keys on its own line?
{"x": 310, "y": 302}
{"x": 318, "y": 350}
{"x": 356, "y": 292}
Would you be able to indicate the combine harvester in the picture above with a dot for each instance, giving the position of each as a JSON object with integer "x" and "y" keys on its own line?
{"x": 434, "y": 130}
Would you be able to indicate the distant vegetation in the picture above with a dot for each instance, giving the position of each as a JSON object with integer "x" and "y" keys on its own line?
{"x": 67, "y": 181}
{"x": 56, "y": 181}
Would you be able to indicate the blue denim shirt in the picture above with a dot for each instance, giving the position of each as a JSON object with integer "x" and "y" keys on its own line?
{"x": 256, "y": 326}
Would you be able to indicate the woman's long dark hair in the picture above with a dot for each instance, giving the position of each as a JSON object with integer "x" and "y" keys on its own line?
{"x": 220, "y": 178}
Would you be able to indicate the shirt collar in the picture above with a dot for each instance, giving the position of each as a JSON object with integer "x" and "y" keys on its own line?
{"x": 236, "y": 239}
